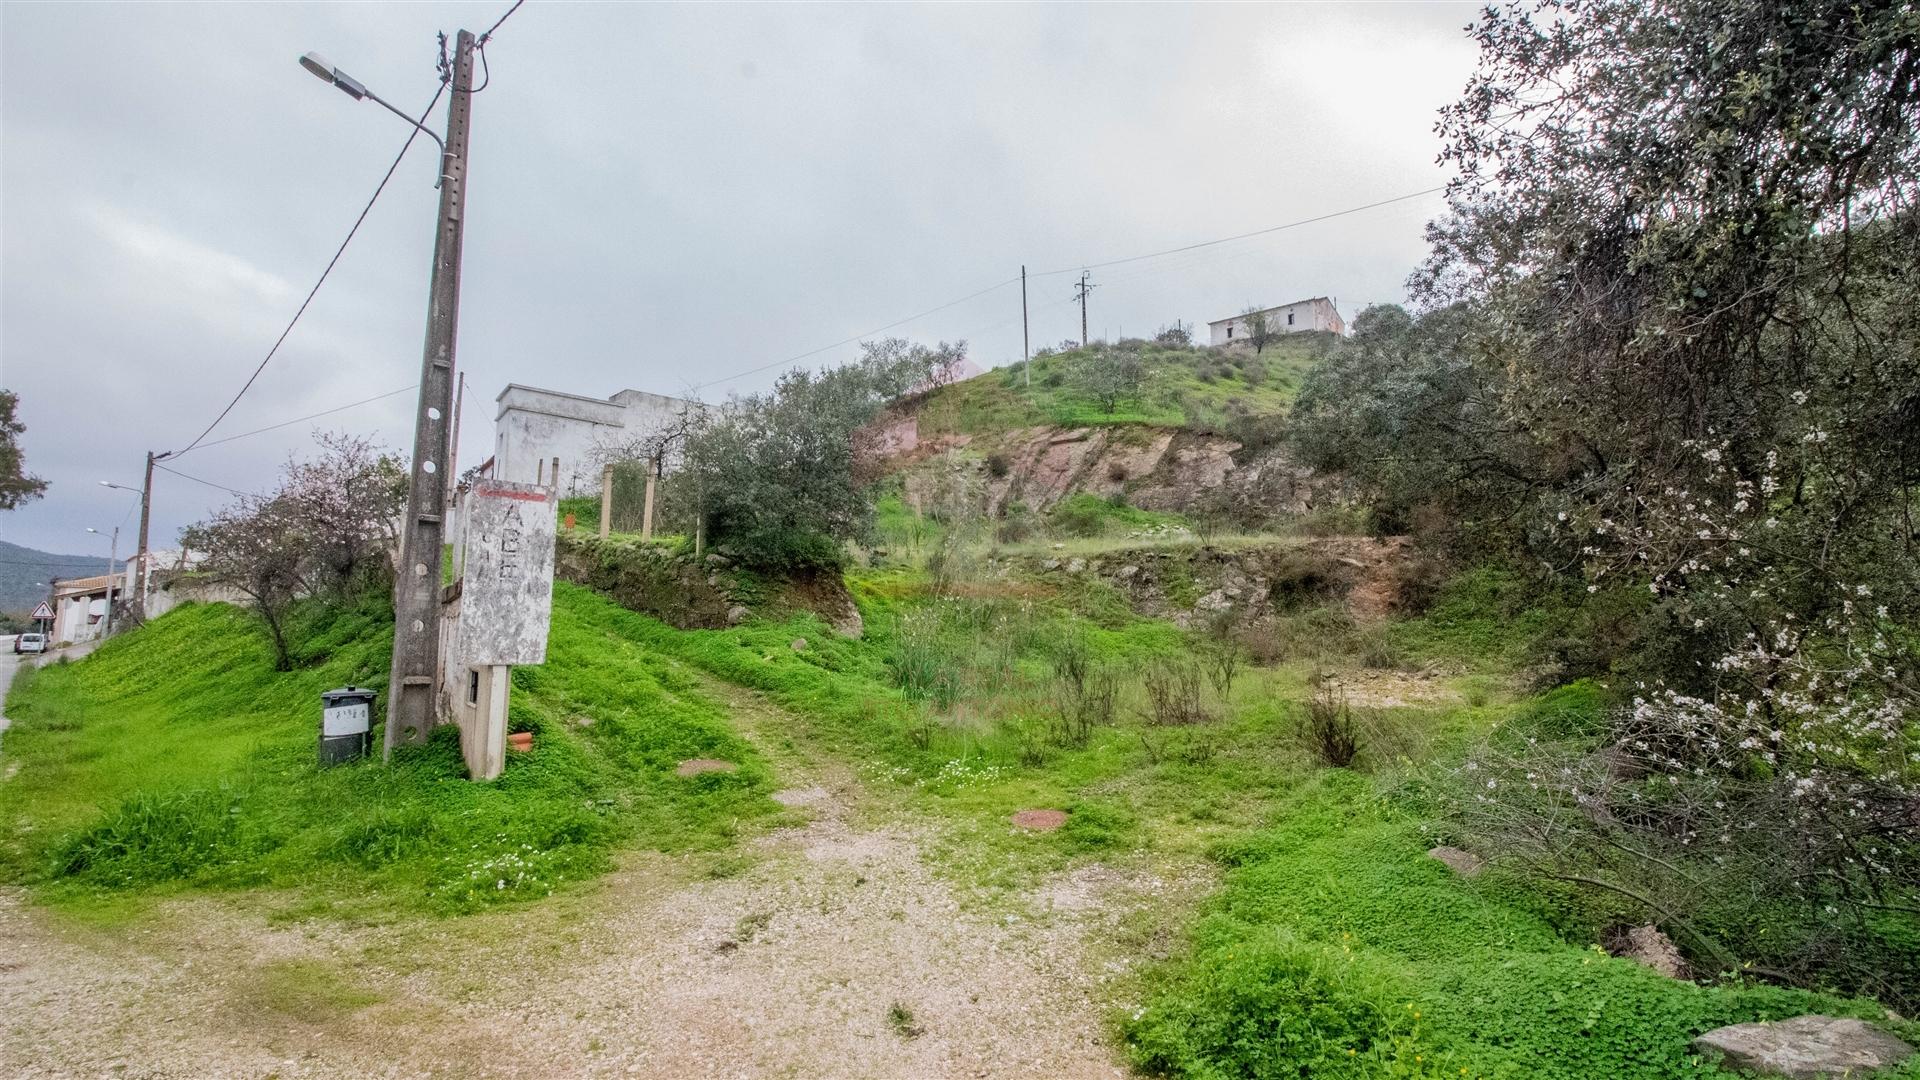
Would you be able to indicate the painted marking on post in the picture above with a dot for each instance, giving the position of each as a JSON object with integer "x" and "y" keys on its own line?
{"x": 506, "y": 602}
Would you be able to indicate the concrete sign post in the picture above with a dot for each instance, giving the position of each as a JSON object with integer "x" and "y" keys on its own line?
{"x": 506, "y": 606}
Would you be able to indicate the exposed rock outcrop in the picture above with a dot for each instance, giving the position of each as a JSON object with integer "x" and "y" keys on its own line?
{"x": 1153, "y": 468}
{"x": 1189, "y": 585}
{"x": 697, "y": 594}
{"x": 1805, "y": 1047}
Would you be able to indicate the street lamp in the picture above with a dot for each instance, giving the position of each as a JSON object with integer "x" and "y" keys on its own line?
{"x": 414, "y": 674}
{"x": 113, "y": 556}
{"x": 356, "y": 90}
{"x": 143, "y": 560}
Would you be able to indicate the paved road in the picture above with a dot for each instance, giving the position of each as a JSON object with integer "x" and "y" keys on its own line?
{"x": 9, "y": 663}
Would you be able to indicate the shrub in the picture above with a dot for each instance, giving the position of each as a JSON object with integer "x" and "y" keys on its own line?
{"x": 1329, "y": 730}
{"x": 999, "y": 464}
{"x": 1273, "y": 1006}
{"x": 1173, "y": 689}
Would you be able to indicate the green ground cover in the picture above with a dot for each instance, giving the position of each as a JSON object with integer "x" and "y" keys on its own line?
{"x": 176, "y": 757}
{"x": 1338, "y": 949}
{"x": 1187, "y": 388}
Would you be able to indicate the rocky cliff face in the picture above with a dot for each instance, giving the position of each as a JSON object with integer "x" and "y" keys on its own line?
{"x": 1152, "y": 468}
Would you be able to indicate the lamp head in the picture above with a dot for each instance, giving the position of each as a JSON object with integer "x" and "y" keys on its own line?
{"x": 321, "y": 69}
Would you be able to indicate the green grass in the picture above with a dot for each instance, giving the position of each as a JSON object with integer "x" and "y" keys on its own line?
{"x": 176, "y": 757}
{"x": 1339, "y": 949}
{"x": 1188, "y": 388}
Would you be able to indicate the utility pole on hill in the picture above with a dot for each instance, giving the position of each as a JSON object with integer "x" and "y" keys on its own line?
{"x": 411, "y": 704}
{"x": 1026, "y": 343}
{"x": 1080, "y": 294}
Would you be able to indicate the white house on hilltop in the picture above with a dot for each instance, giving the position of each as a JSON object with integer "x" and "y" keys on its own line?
{"x": 535, "y": 426}
{"x": 1297, "y": 317}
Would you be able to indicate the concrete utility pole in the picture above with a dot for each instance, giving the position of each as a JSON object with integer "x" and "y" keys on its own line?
{"x": 1026, "y": 343}
{"x": 145, "y": 491}
{"x": 1080, "y": 294}
{"x": 411, "y": 696}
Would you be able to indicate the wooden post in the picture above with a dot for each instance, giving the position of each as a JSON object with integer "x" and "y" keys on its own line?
{"x": 646, "y": 513}
{"x": 606, "y": 500}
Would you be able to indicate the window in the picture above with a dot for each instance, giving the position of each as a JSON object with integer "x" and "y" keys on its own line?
{"x": 1289, "y": 318}
{"x": 473, "y": 686}
{"x": 1229, "y": 329}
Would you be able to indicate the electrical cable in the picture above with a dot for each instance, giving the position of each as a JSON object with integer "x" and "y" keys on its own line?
{"x": 331, "y": 263}
{"x": 1242, "y": 236}
{"x": 209, "y": 483}
{"x": 856, "y": 337}
{"x": 309, "y": 416}
{"x": 1074, "y": 270}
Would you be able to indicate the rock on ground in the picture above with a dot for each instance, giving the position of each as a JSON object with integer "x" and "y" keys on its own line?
{"x": 1464, "y": 863}
{"x": 1805, "y": 1047}
{"x": 1647, "y": 946}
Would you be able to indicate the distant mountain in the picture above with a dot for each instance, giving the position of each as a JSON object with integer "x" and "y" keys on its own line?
{"x": 20, "y": 567}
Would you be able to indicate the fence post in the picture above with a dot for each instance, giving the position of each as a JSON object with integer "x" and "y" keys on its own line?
{"x": 606, "y": 499}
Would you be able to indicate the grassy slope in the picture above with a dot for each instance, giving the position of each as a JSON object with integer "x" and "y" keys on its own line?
{"x": 1337, "y": 948}
{"x": 1191, "y": 387}
{"x": 177, "y": 757}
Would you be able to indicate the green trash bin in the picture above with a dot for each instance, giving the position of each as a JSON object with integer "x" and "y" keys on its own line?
{"x": 346, "y": 724}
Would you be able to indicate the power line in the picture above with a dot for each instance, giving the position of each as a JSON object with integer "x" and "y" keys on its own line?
{"x": 856, "y": 337}
{"x": 496, "y": 23}
{"x": 209, "y": 483}
{"x": 331, "y": 263}
{"x": 1072, "y": 270}
{"x": 309, "y": 416}
{"x": 1242, "y": 236}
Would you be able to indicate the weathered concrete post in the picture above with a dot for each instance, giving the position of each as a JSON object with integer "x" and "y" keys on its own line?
{"x": 606, "y": 500}
{"x": 646, "y": 514}
{"x": 506, "y": 604}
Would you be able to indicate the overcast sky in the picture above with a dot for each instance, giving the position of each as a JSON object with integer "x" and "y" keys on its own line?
{"x": 660, "y": 196}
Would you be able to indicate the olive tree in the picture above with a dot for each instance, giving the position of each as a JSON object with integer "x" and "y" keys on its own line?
{"x": 783, "y": 478}
{"x": 1685, "y": 232}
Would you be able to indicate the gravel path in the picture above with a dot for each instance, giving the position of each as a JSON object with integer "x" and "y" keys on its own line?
{"x": 825, "y": 949}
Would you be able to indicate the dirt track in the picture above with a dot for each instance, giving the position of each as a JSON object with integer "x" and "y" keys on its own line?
{"x": 790, "y": 962}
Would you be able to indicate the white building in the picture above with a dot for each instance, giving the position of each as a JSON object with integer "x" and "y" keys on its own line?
{"x": 1297, "y": 317}
{"x": 534, "y": 426}
{"x": 80, "y": 606}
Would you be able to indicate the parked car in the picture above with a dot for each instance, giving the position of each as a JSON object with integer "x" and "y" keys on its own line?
{"x": 27, "y": 643}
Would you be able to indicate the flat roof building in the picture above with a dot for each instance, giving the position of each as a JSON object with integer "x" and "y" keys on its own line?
{"x": 1295, "y": 318}
{"x": 534, "y": 426}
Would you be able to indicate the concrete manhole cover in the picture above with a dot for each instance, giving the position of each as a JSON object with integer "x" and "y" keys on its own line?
{"x": 696, "y": 766}
{"x": 1040, "y": 820}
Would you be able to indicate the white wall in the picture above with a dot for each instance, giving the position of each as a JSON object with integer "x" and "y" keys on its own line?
{"x": 1315, "y": 314}
{"x": 534, "y": 426}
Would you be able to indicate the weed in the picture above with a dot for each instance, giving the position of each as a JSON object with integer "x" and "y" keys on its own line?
{"x": 900, "y": 1019}
{"x": 1329, "y": 730}
{"x": 1173, "y": 689}
{"x": 1222, "y": 660}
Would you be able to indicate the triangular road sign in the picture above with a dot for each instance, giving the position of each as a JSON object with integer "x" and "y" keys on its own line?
{"x": 43, "y": 611}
